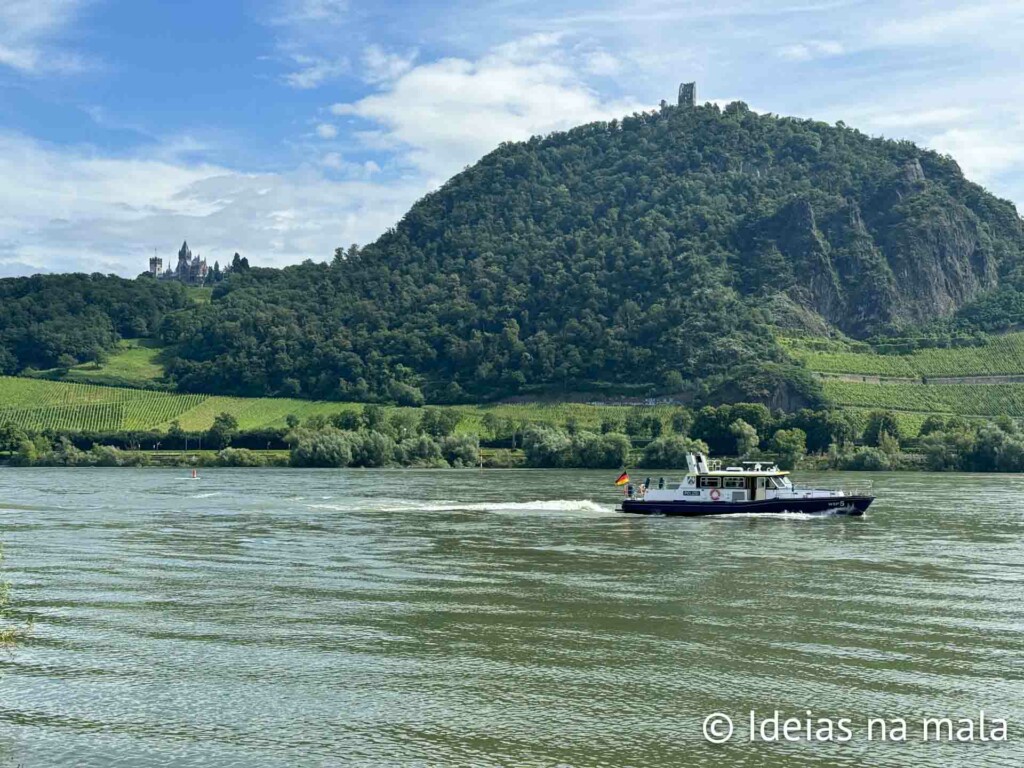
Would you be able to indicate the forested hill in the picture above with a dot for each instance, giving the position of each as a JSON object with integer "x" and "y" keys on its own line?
{"x": 649, "y": 254}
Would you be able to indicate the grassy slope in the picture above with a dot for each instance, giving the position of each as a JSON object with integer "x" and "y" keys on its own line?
{"x": 913, "y": 401}
{"x": 43, "y": 404}
{"x": 1002, "y": 355}
{"x": 136, "y": 363}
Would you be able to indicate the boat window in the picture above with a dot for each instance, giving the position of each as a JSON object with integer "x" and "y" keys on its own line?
{"x": 735, "y": 482}
{"x": 710, "y": 482}
{"x": 776, "y": 482}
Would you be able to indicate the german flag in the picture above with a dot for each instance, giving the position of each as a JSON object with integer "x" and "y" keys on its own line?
{"x": 623, "y": 479}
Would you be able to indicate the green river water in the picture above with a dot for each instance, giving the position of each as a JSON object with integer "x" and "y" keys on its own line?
{"x": 496, "y": 618}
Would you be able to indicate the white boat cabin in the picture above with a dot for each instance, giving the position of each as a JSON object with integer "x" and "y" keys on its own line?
{"x": 752, "y": 481}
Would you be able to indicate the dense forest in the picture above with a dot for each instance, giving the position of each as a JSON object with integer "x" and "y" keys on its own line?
{"x": 652, "y": 254}
{"x": 59, "y": 320}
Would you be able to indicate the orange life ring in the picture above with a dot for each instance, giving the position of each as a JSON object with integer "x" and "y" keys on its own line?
{"x": 715, "y": 495}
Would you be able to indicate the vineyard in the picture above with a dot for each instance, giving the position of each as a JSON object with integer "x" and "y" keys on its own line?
{"x": 1000, "y": 356}
{"x": 989, "y": 401}
{"x": 40, "y": 404}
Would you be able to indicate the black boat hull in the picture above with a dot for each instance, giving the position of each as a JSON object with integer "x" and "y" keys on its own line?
{"x": 853, "y": 506}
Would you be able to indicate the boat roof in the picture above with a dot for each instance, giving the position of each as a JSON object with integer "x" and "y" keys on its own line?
{"x": 744, "y": 473}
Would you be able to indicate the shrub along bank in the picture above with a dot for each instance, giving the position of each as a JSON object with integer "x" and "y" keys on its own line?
{"x": 427, "y": 437}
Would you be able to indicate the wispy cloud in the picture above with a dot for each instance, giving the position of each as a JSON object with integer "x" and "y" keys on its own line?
{"x": 382, "y": 67}
{"x": 30, "y": 32}
{"x": 307, "y": 41}
{"x": 74, "y": 209}
{"x": 314, "y": 71}
{"x": 813, "y": 49}
{"x": 297, "y": 12}
{"x": 445, "y": 114}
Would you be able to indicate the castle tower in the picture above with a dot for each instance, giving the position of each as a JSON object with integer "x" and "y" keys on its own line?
{"x": 156, "y": 266}
{"x": 688, "y": 95}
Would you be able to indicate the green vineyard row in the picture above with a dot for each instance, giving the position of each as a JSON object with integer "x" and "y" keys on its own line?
{"x": 40, "y": 404}
{"x": 1000, "y": 356}
{"x": 991, "y": 400}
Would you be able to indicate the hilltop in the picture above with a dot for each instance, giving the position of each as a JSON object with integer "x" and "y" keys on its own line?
{"x": 663, "y": 253}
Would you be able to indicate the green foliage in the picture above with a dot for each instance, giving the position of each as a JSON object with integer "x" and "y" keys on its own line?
{"x": 224, "y": 428}
{"x": 11, "y": 436}
{"x": 461, "y": 450}
{"x": 551, "y": 447}
{"x": 747, "y": 440}
{"x": 996, "y": 355}
{"x": 681, "y": 421}
{"x": 439, "y": 422}
{"x": 882, "y": 425}
{"x": 669, "y": 451}
{"x": 791, "y": 445}
{"x": 714, "y": 425}
{"x": 322, "y": 448}
{"x": 63, "y": 320}
{"x": 867, "y": 459}
{"x": 419, "y": 451}
{"x": 374, "y": 449}
{"x": 240, "y": 457}
{"x": 544, "y": 268}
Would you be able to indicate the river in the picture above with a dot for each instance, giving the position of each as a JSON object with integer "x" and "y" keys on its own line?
{"x": 496, "y": 618}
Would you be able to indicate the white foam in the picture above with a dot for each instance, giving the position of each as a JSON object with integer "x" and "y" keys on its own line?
{"x": 549, "y": 505}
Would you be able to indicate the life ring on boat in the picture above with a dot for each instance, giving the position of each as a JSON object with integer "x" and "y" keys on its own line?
{"x": 715, "y": 495}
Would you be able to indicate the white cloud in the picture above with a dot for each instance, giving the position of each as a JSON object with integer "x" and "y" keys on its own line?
{"x": 814, "y": 49}
{"x": 295, "y": 12}
{"x": 979, "y": 22}
{"x": 922, "y": 117}
{"x": 382, "y": 67}
{"x": 73, "y": 209}
{"x": 314, "y": 71}
{"x": 982, "y": 153}
{"x": 448, "y": 113}
{"x": 602, "y": 63}
{"x": 326, "y": 131}
{"x": 333, "y": 160}
{"x": 29, "y": 31}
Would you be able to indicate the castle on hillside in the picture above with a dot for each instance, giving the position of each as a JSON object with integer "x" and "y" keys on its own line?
{"x": 688, "y": 95}
{"x": 190, "y": 270}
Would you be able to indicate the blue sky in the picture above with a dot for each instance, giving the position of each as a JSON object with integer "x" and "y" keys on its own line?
{"x": 286, "y": 128}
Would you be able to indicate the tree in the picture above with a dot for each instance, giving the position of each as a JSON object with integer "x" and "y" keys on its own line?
{"x": 224, "y": 429}
{"x": 790, "y": 445}
{"x": 350, "y": 421}
{"x": 322, "y": 448}
{"x": 461, "y": 450}
{"x": 879, "y": 423}
{"x": 747, "y": 440}
{"x": 610, "y": 424}
{"x": 374, "y": 418}
{"x": 11, "y": 436}
{"x": 439, "y": 422}
{"x": 374, "y": 450}
{"x": 932, "y": 424}
{"x": 291, "y": 420}
{"x": 669, "y": 451}
{"x": 175, "y": 433}
{"x": 681, "y": 421}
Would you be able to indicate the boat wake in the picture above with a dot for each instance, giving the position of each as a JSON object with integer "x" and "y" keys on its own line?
{"x": 545, "y": 506}
{"x": 781, "y": 515}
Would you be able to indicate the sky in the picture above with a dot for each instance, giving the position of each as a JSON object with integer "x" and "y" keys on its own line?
{"x": 283, "y": 129}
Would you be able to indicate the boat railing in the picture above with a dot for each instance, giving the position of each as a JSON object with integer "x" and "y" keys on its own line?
{"x": 855, "y": 488}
